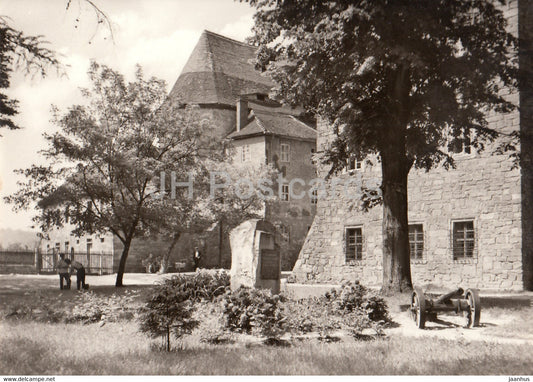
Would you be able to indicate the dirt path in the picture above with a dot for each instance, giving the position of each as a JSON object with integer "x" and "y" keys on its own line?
{"x": 451, "y": 327}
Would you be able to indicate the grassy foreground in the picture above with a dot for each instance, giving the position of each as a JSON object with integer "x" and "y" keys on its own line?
{"x": 118, "y": 349}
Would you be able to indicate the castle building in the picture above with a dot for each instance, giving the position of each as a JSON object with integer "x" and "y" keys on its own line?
{"x": 471, "y": 226}
{"x": 221, "y": 79}
{"x": 267, "y": 133}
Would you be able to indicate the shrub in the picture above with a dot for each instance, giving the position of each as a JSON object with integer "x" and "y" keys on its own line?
{"x": 86, "y": 307}
{"x": 352, "y": 307}
{"x": 203, "y": 285}
{"x": 253, "y": 311}
{"x": 90, "y": 307}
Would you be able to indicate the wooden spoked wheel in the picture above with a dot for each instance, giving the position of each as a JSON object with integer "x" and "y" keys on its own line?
{"x": 418, "y": 308}
{"x": 474, "y": 308}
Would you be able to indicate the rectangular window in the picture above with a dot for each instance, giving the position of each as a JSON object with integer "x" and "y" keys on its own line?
{"x": 416, "y": 241}
{"x": 66, "y": 246}
{"x": 314, "y": 197}
{"x": 461, "y": 145}
{"x": 463, "y": 240}
{"x": 354, "y": 244}
{"x": 285, "y": 152}
{"x": 285, "y": 192}
{"x": 284, "y": 234}
{"x": 245, "y": 153}
{"x": 355, "y": 164}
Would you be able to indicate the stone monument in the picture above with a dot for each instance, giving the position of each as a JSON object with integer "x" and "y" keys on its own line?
{"x": 255, "y": 256}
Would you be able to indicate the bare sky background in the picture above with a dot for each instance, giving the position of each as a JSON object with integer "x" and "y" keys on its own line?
{"x": 157, "y": 34}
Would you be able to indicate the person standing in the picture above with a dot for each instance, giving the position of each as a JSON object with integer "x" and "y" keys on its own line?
{"x": 196, "y": 258}
{"x": 80, "y": 273}
{"x": 62, "y": 269}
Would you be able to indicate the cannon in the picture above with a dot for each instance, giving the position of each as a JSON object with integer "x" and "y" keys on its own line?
{"x": 459, "y": 301}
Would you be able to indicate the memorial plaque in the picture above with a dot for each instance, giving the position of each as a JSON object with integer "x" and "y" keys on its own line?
{"x": 270, "y": 264}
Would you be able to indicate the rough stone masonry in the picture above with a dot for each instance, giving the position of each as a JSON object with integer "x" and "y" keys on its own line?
{"x": 486, "y": 199}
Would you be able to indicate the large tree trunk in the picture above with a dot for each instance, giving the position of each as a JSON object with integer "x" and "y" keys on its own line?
{"x": 395, "y": 168}
{"x": 166, "y": 257}
{"x": 122, "y": 263}
{"x": 396, "y": 258}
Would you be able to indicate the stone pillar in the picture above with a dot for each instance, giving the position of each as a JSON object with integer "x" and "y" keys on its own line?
{"x": 255, "y": 256}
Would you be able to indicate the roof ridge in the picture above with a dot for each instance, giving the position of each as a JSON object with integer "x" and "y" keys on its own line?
{"x": 259, "y": 123}
{"x": 228, "y": 38}
{"x": 210, "y": 57}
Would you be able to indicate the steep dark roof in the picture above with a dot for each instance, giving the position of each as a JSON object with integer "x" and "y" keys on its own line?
{"x": 272, "y": 123}
{"x": 218, "y": 71}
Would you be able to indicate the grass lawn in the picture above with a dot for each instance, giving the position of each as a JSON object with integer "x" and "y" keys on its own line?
{"x": 503, "y": 345}
{"x": 118, "y": 349}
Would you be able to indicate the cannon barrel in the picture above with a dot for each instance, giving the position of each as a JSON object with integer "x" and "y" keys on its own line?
{"x": 445, "y": 297}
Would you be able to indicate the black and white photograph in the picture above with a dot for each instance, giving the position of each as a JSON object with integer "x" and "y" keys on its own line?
{"x": 266, "y": 187}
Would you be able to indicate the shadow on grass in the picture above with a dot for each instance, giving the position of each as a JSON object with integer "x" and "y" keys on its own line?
{"x": 506, "y": 302}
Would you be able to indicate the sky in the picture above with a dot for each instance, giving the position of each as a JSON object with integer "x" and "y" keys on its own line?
{"x": 157, "y": 34}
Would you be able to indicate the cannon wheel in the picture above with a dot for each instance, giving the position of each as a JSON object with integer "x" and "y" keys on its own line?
{"x": 418, "y": 307}
{"x": 474, "y": 303}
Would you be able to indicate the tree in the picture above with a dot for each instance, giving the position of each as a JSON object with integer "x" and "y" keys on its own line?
{"x": 402, "y": 80}
{"x": 20, "y": 51}
{"x": 169, "y": 311}
{"x": 227, "y": 207}
{"x": 30, "y": 54}
{"x": 106, "y": 160}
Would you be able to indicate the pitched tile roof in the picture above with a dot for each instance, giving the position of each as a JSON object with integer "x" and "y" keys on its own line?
{"x": 272, "y": 123}
{"x": 218, "y": 71}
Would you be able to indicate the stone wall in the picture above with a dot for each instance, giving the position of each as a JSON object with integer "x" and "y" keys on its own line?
{"x": 484, "y": 188}
{"x": 208, "y": 243}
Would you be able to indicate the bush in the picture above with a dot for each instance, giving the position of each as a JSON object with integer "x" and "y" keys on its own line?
{"x": 352, "y": 307}
{"x": 203, "y": 285}
{"x": 253, "y": 311}
{"x": 86, "y": 307}
{"x": 90, "y": 307}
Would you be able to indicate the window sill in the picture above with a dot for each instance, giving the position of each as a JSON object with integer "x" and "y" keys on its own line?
{"x": 354, "y": 262}
{"x": 465, "y": 261}
{"x": 419, "y": 261}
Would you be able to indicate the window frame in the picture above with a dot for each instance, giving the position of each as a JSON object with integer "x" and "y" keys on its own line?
{"x": 282, "y": 152}
{"x": 314, "y": 197}
{"x": 284, "y": 234}
{"x": 422, "y": 252}
{"x": 245, "y": 153}
{"x": 356, "y": 245}
{"x": 466, "y": 149}
{"x": 285, "y": 195}
{"x": 464, "y": 239}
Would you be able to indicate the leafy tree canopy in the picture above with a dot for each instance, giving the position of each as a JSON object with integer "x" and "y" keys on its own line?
{"x": 434, "y": 67}
{"x": 405, "y": 80}
{"x": 104, "y": 163}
